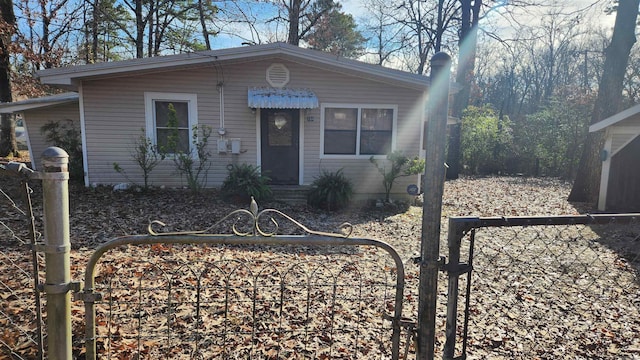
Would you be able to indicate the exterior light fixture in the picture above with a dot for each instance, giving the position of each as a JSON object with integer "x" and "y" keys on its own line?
{"x": 604, "y": 155}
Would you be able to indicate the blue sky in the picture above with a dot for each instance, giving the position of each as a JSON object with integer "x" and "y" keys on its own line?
{"x": 530, "y": 15}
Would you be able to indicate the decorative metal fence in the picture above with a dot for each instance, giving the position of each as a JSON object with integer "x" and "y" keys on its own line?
{"x": 544, "y": 287}
{"x": 247, "y": 294}
{"x": 20, "y": 308}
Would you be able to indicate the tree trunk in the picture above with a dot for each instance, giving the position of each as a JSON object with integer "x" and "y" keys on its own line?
{"x": 587, "y": 183}
{"x": 203, "y": 24}
{"x": 139, "y": 30}
{"x": 45, "y": 43}
{"x": 92, "y": 33}
{"x": 465, "y": 75}
{"x": 152, "y": 18}
{"x": 440, "y": 27}
{"x": 8, "y": 144}
{"x": 94, "y": 30}
{"x": 294, "y": 22}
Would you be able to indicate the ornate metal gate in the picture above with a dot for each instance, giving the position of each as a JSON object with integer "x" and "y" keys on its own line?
{"x": 244, "y": 292}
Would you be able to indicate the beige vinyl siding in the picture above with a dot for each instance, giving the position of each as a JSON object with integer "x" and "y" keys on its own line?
{"x": 623, "y": 133}
{"x": 620, "y": 140}
{"x": 34, "y": 120}
{"x": 633, "y": 121}
{"x": 115, "y": 118}
{"x": 114, "y": 115}
{"x": 338, "y": 88}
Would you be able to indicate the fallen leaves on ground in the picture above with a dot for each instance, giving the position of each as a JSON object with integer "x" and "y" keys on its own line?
{"x": 545, "y": 293}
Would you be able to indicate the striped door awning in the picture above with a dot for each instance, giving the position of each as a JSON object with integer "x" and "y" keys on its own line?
{"x": 281, "y": 98}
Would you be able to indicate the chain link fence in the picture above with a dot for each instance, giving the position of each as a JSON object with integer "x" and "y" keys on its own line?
{"x": 563, "y": 287}
{"x": 20, "y": 306}
{"x": 568, "y": 289}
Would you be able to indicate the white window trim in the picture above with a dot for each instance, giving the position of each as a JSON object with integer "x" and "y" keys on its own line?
{"x": 394, "y": 130}
{"x": 149, "y": 112}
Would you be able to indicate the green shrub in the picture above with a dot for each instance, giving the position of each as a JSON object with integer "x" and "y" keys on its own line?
{"x": 330, "y": 191}
{"x": 146, "y": 156}
{"x": 485, "y": 140}
{"x": 195, "y": 163}
{"x": 244, "y": 181}
{"x": 396, "y": 165}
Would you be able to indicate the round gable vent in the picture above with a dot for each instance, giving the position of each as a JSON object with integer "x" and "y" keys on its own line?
{"x": 277, "y": 75}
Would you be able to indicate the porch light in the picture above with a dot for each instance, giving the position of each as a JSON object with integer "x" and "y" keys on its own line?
{"x": 604, "y": 155}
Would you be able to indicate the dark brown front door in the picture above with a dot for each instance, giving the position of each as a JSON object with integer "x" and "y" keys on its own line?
{"x": 279, "y": 129}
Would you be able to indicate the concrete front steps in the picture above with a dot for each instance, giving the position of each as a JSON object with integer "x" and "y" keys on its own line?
{"x": 291, "y": 194}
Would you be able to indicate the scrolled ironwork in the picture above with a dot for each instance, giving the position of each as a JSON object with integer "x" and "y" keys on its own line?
{"x": 252, "y": 216}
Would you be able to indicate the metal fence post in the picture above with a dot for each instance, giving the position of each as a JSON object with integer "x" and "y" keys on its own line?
{"x": 434, "y": 172}
{"x": 458, "y": 227}
{"x": 55, "y": 192}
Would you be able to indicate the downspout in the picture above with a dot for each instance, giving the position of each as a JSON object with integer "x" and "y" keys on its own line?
{"x": 83, "y": 135}
{"x": 221, "y": 130}
{"x": 605, "y": 173}
{"x": 32, "y": 159}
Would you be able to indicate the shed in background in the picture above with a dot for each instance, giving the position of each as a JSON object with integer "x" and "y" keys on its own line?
{"x": 620, "y": 177}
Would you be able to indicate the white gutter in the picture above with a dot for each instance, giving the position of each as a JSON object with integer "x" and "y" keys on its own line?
{"x": 83, "y": 135}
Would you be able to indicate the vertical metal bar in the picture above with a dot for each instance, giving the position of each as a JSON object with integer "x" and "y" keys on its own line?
{"x": 281, "y": 313}
{"x": 169, "y": 317}
{"x": 226, "y": 316}
{"x": 333, "y": 315}
{"x": 90, "y": 319}
{"x": 55, "y": 191}
{"x": 399, "y": 297}
{"x": 307, "y": 319}
{"x": 36, "y": 268}
{"x": 139, "y": 314}
{"x": 359, "y": 315}
{"x": 432, "y": 208}
{"x": 454, "y": 241}
{"x": 110, "y": 329}
{"x": 254, "y": 314}
{"x": 199, "y": 321}
{"x": 465, "y": 329}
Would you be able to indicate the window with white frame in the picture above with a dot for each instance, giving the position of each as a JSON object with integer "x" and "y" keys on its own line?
{"x": 358, "y": 130}
{"x": 159, "y": 128}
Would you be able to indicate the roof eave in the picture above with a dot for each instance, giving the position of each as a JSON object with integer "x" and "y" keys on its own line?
{"x": 37, "y": 103}
{"x": 68, "y": 77}
{"x": 20, "y": 108}
{"x": 614, "y": 119}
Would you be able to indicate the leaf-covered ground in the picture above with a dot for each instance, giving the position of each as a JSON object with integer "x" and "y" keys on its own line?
{"x": 522, "y": 306}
